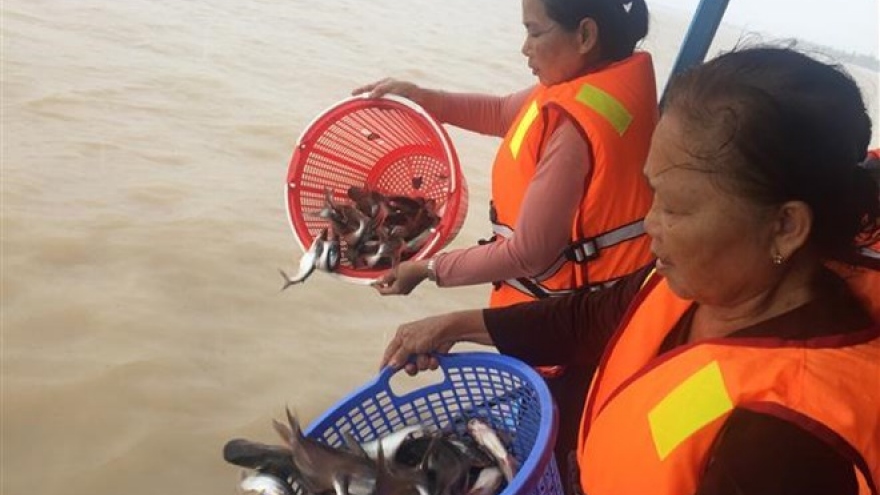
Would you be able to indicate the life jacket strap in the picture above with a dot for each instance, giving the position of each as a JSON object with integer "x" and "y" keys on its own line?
{"x": 870, "y": 253}
{"x": 533, "y": 288}
{"x": 587, "y": 249}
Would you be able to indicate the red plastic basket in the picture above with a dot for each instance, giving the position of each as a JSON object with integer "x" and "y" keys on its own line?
{"x": 388, "y": 144}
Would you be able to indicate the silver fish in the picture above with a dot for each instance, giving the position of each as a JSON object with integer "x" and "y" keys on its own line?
{"x": 488, "y": 438}
{"x": 323, "y": 468}
{"x": 268, "y": 459}
{"x": 366, "y": 200}
{"x": 390, "y": 481}
{"x": 416, "y": 243}
{"x": 362, "y": 232}
{"x": 331, "y": 254}
{"x": 488, "y": 482}
{"x": 391, "y": 442}
{"x": 263, "y": 484}
{"x": 449, "y": 466}
{"x": 307, "y": 263}
{"x": 391, "y": 245}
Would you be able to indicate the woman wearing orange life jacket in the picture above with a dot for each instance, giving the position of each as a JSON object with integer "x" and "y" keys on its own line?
{"x": 741, "y": 364}
{"x": 568, "y": 197}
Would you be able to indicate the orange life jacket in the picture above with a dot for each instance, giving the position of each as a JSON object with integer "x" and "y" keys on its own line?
{"x": 616, "y": 108}
{"x": 650, "y": 421}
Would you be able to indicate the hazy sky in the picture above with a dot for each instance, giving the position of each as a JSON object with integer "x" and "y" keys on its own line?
{"x": 850, "y": 25}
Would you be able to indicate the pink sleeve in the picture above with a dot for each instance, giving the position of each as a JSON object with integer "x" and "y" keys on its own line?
{"x": 485, "y": 114}
{"x": 544, "y": 226}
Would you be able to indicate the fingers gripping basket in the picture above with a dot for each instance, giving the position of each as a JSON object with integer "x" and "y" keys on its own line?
{"x": 390, "y": 145}
{"x": 504, "y": 391}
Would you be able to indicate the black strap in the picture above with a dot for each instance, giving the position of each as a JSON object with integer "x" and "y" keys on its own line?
{"x": 534, "y": 288}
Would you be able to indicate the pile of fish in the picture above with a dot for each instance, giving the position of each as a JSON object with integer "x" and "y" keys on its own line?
{"x": 371, "y": 230}
{"x": 415, "y": 460}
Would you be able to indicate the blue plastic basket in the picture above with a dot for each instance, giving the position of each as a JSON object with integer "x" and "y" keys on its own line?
{"x": 506, "y": 392}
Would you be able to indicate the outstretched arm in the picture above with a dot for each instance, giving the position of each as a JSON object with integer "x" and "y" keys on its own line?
{"x": 573, "y": 329}
{"x": 482, "y": 113}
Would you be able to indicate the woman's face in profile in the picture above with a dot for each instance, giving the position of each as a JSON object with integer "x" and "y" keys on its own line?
{"x": 553, "y": 53}
{"x": 712, "y": 246}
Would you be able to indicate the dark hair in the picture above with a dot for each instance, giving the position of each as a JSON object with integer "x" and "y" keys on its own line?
{"x": 621, "y": 23}
{"x": 790, "y": 128}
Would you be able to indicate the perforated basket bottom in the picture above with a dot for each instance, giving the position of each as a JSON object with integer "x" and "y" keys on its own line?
{"x": 387, "y": 144}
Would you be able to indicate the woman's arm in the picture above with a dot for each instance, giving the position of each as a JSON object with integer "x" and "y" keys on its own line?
{"x": 571, "y": 330}
{"x": 563, "y": 330}
{"x": 543, "y": 228}
{"x": 485, "y": 114}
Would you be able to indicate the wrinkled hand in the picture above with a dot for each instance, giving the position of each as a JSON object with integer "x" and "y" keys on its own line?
{"x": 389, "y": 86}
{"x": 419, "y": 340}
{"x": 402, "y": 279}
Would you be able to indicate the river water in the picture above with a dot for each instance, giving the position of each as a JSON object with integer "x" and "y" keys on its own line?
{"x": 144, "y": 151}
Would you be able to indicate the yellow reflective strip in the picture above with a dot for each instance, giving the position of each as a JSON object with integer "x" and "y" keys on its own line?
{"x": 605, "y": 105}
{"x": 523, "y": 126}
{"x": 698, "y": 401}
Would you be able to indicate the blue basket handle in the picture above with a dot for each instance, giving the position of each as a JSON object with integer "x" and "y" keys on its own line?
{"x": 383, "y": 380}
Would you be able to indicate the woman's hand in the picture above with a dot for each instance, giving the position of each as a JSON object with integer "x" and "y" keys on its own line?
{"x": 418, "y": 339}
{"x": 421, "y": 339}
{"x": 402, "y": 279}
{"x": 390, "y": 86}
{"x": 415, "y": 344}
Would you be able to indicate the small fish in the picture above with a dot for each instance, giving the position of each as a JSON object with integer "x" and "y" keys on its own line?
{"x": 366, "y": 200}
{"x": 307, "y": 263}
{"x": 390, "y": 481}
{"x": 391, "y": 247}
{"x": 268, "y": 459}
{"x": 488, "y": 438}
{"x": 353, "y": 445}
{"x": 331, "y": 253}
{"x": 449, "y": 466}
{"x": 361, "y": 233}
{"x": 416, "y": 243}
{"x": 476, "y": 456}
{"x": 323, "y": 468}
{"x": 263, "y": 484}
{"x": 391, "y": 443}
{"x": 488, "y": 482}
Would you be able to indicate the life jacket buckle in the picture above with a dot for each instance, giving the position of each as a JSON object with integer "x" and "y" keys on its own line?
{"x": 582, "y": 251}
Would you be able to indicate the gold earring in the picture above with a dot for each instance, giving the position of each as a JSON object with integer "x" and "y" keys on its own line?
{"x": 778, "y": 259}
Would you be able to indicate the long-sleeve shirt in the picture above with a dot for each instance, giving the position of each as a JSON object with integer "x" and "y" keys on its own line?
{"x": 543, "y": 228}
{"x": 756, "y": 453}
